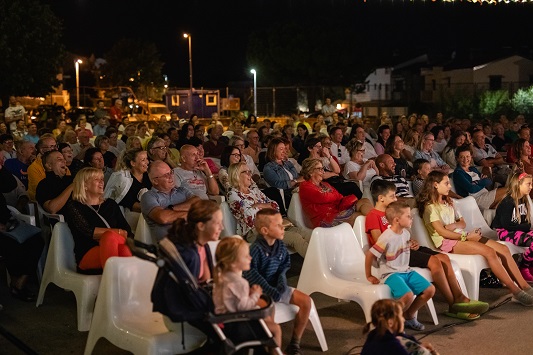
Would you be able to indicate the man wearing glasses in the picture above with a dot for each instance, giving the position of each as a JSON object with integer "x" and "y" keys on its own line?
{"x": 36, "y": 171}
{"x": 337, "y": 149}
{"x": 165, "y": 202}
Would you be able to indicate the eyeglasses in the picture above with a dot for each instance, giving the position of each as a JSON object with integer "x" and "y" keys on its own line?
{"x": 160, "y": 148}
{"x": 49, "y": 147}
{"x": 320, "y": 169}
{"x": 236, "y": 154}
{"x": 166, "y": 176}
{"x": 247, "y": 172}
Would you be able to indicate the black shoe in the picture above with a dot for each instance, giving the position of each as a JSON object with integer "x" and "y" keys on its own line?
{"x": 293, "y": 349}
{"x": 490, "y": 281}
{"x": 23, "y": 294}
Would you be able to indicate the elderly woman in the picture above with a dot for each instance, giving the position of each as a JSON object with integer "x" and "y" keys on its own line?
{"x": 457, "y": 139}
{"x": 93, "y": 158}
{"x": 245, "y": 199}
{"x": 359, "y": 168}
{"x": 129, "y": 181}
{"x": 230, "y": 155}
{"x": 279, "y": 172}
{"x": 97, "y": 224}
{"x": 425, "y": 151}
{"x": 102, "y": 143}
{"x": 158, "y": 150}
{"x": 396, "y": 149}
{"x": 324, "y": 205}
{"x": 469, "y": 181}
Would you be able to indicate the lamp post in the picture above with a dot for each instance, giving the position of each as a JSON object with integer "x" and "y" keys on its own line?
{"x": 77, "y": 65}
{"x": 254, "y": 72}
{"x": 188, "y": 36}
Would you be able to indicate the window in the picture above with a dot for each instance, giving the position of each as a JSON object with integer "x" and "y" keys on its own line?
{"x": 495, "y": 82}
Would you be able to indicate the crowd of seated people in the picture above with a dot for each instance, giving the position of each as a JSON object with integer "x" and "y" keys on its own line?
{"x": 74, "y": 170}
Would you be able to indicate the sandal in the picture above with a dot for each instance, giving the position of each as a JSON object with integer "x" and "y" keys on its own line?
{"x": 477, "y": 307}
{"x": 463, "y": 315}
{"x": 414, "y": 324}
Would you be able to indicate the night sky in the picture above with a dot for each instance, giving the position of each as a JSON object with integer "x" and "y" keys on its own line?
{"x": 386, "y": 31}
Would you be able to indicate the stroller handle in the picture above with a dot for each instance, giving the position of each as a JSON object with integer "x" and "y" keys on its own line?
{"x": 138, "y": 249}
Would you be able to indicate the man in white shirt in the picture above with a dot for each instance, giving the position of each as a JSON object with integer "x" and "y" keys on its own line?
{"x": 360, "y": 135}
{"x": 13, "y": 113}
{"x": 337, "y": 149}
{"x": 328, "y": 109}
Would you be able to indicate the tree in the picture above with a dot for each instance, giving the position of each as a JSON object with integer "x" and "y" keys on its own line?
{"x": 522, "y": 101}
{"x": 30, "y": 47}
{"x": 133, "y": 63}
{"x": 494, "y": 102}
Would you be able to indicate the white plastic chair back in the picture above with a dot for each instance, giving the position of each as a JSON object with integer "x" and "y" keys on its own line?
{"x": 60, "y": 269}
{"x": 359, "y": 227}
{"x": 230, "y": 223}
{"x": 471, "y": 213}
{"x": 123, "y": 313}
{"x": 296, "y": 214}
{"x": 142, "y": 232}
{"x": 22, "y": 217}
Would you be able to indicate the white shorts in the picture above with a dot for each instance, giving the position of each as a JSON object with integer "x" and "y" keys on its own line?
{"x": 286, "y": 296}
{"x": 484, "y": 198}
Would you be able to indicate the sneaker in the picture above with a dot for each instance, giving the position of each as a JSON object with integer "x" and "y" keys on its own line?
{"x": 524, "y": 298}
{"x": 293, "y": 349}
{"x": 526, "y": 274}
{"x": 414, "y": 324}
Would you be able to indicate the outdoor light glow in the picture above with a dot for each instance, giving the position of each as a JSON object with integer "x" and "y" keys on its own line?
{"x": 253, "y": 71}
{"x": 79, "y": 61}
{"x": 185, "y": 35}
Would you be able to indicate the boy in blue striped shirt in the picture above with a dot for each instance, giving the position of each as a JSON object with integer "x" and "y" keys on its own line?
{"x": 270, "y": 263}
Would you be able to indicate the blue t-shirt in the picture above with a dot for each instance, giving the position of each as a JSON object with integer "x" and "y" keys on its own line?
{"x": 19, "y": 169}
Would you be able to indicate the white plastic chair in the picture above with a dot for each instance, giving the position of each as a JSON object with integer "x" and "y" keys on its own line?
{"x": 470, "y": 265}
{"x": 362, "y": 238}
{"x": 123, "y": 313}
{"x": 230, "y": 223}
{"x": 335, "y": 266}
{"x": 474, "y": 219}
{"x": 142, "y": 232}
{"x": 287, "y": 312}
{"x": 296, "y": 214}
{"x": 60, "y": 269}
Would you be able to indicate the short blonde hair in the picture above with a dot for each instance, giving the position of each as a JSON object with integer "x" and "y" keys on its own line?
{"x": 79, "y": 192}
{"x": 234, "y": 172}
{"x": 308, "y": 165}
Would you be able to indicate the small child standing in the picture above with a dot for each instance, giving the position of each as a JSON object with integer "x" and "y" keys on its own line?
{"x": 388, "y": 336}
{"x": 513, "y": 223}
{"x": 270, "y": 263}
{"x": 392, "y": 251}
{"x": 232, "y": 292}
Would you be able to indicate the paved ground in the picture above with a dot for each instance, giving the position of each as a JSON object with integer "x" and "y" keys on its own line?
{"x": 506, "y": 329}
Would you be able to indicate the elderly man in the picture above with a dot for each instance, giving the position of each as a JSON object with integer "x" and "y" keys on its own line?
{"x": 254, "y": 148}
{"x": 194, "y": 174}
{"x": 386, "y": 166}
{"x": 32, "y": 135}
{"x": 337, "y": 149}
{"x": 79, "y": 149}
{"x": 36, "y": 170}
{"x": 486, "y": 156}
{"x": 215, "y": 145}
{"x": 55, "y": 189}
{"x": 328, "y": 109}
{"x": 360, "y": 135}
{"x": 115, "y": 113}
{"x": 165, "y": 202}
{"x": 13, "y": 113}
{"x": 19, "y": 166}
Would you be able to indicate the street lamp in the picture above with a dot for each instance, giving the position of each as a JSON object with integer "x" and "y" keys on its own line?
{"x": 188, "y": 36}
{"x": 255, "y": 91}
{"x": 77, "y": 64}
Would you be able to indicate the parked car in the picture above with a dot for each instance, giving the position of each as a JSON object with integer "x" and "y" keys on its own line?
{"x": 74, "y": 113}
{"x": 148, "y": 112}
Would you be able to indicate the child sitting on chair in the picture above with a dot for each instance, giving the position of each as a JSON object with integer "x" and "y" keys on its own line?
{"x": 270, "y": 263}
{"x": 232, "y": 292}
{"x": 392, "y": 251}
{"x": 388, "y": 336}
{"x": 383, "y": 192}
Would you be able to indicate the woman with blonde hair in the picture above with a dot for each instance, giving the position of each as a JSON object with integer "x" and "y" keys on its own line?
{"x": 245, "y": 200}
{"x": 410, "y": 144}
{"x": 97, "y": 224}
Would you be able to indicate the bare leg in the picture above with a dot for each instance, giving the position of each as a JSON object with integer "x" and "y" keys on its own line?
{"x": 304, "y": 302}
{"x": 509, "y": 263}
{"x": 364, "y": 206}
{"x": 419, "y": 301}
{"x": 473, "y": 248}
{"x": 455, "y": 289}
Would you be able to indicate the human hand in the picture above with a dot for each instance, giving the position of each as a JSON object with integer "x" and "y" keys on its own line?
{"x": 373, "y": 280}
{"x": 202, "y": 165}
{"x": 474, "y": 235}
{"x": 256, "y": 289}
{"x": 430, "y": 347}
{"x": 450, "y": 227}
{"x": 413, "y": 244}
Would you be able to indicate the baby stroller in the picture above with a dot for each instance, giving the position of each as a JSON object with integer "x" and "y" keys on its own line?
{"x": 177, "y": 295}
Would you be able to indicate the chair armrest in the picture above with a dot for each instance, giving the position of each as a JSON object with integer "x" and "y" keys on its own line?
{"x": 217, "y": 198}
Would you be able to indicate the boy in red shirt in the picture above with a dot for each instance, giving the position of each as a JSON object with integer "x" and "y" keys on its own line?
{"x": 384, "y": 193}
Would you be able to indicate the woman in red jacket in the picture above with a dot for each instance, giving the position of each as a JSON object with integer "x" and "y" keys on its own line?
{"x": 324, "y": 205}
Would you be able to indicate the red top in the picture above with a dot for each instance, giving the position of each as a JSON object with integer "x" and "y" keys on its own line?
{"x": 375, "y": 219}
{"x": 323, "y": 203}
